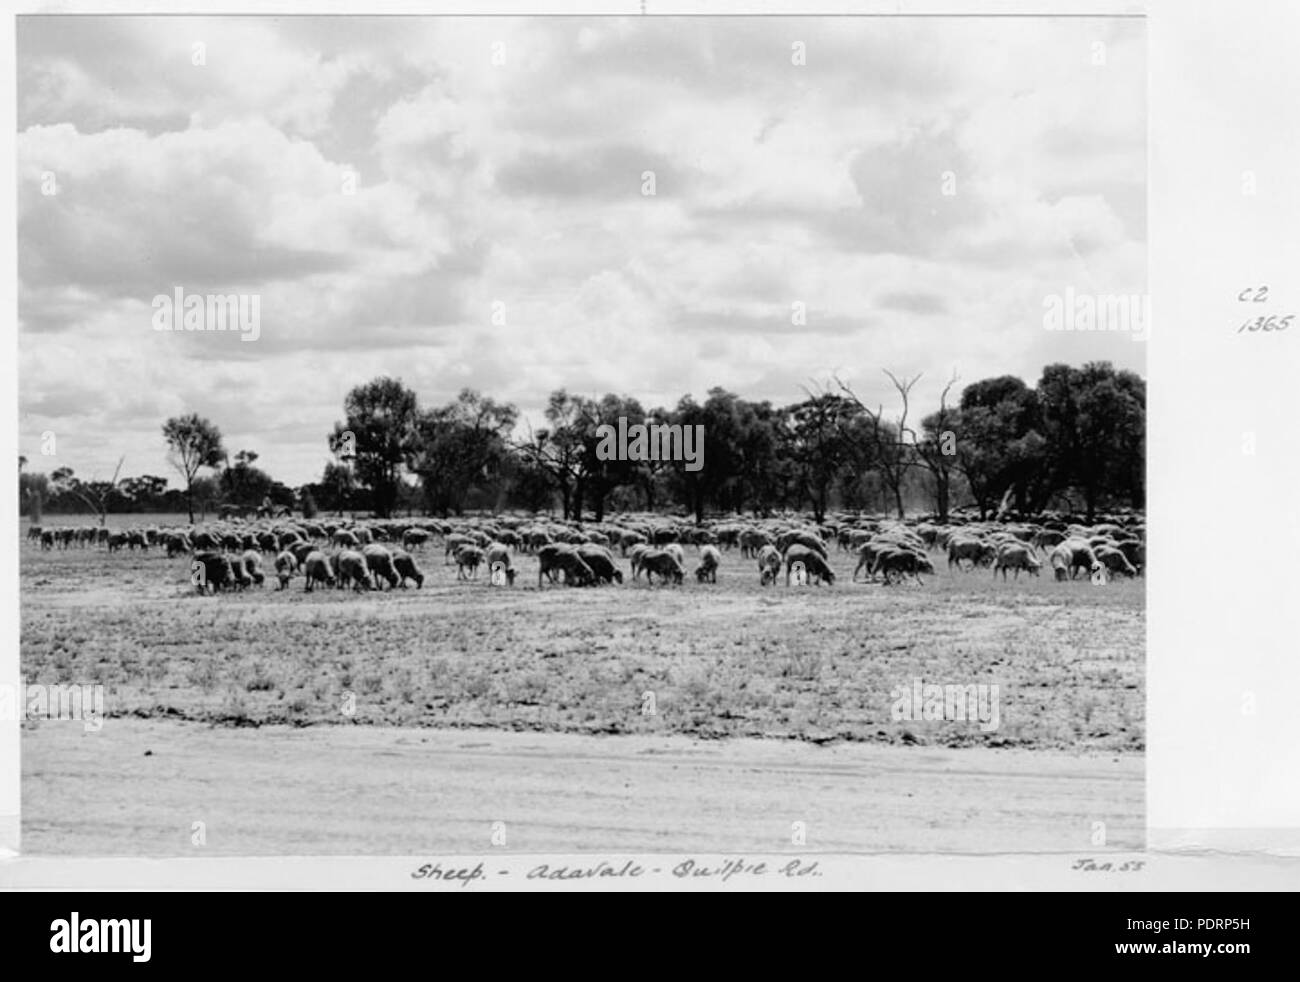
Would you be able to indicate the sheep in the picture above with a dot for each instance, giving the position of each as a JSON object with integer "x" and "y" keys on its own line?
{"x": 47, "y": 540}
{"x": 240, "y": 573}
{"x": 205, "y": 540}
{"x": 211, "y": 572}
{"x": 379, "y": 562}
{"x": 638, "y": 551}
{"x": 677, "y": 552}
{"x": 301, "y": 550}
{"x": 664, "y": 564}
{"x": 116, "y": 541}
{"x": 268, "y": 542}
{"x": 710, "y": 560}
{"x": 1115, "y": 561}
{"x": 1135, "y": 552}
{"x": 564, "y": 558}
{"x": 415, "y": 538}
{"x": 902, "y": 561}
{"x": 1015, "y": 557}
{"x": 345, "y": 538}
{"x": 801, "y": 537}
{"x": 406, "y": 569}
{"x": 316, "y": 568}
{"x": 769, "y": 565}
{"x": 628, "y": 539}
{"x": 252, "y": 566}
{"x": 976, "y": 551}
{"x": 34, "y": 533}
{"x": 468, "y": 557}
{"x": 454, "y": 542}
{"x": 285, "y": 566}
{"x": 601, "y": 562}
{"x": 814, "y": 563}
{"x": 497, "y": 554}
{"x": 1072, "y": 555}
{"x": 751, "y": 541}
{"x": 352, "y": 568}
{"x": 176, "y": 544}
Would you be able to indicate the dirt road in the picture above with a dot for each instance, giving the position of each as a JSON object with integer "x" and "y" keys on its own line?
{"x": 138, "y": 786}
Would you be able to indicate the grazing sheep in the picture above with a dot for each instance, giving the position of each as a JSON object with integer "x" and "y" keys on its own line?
{"x": 498, "y": 553}
{"x": 900, "y": 561}
{"x": 116, "y": 541}
{"x": 753, "y": 540}
{"x": 316, "y": 568}
{"x": 664, "y": 564}
{"x": 563, "y": 558}
{"x": 240, "y": 573}
{"x": 468, "y": 557}
{"x": 602, "y": 564}
{"x": 406, "y": 569}
{"x": 252, "y": 566}
{"x": 1115, "y": 561}
{"x": 47, "y": 540}
{"x": 379, "y": 561}
{"x": 801, "y": 537}
{"x": 1072, "y": 555}
{"x": 1135, "y": 552}
{"x": 205, "y": 540}
{"x": 286, "y": 564}
{"x": 1015, "y": 557}
{"x": 268, "y": 542}
{"x": 975, "y": 551}
{"x": 769, "y": 565}
{"x": 216, "y": 571}
{"x": 345, "y": 538}
{"x": 635, "y": 556}
{"x": 710, "y": 560}
{"x": 415, "y": 538}
{"x": 677, "y": 551}
{"x": 629, "y": 539}
{"x": 454, "y": 542}
{"x": 813, "y": 561}
{"x": 34, "y": 533}
{"x": 301, "y": 550}
{"x": 353, "y": 570}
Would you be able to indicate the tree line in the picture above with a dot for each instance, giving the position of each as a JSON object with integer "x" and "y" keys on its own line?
{"x": 1074, "y": 442}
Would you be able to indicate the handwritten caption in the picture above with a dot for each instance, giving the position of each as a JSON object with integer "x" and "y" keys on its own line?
{"x": 688, "y": 869}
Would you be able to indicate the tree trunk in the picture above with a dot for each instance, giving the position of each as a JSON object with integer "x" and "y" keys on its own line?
{"x": 189, "y": 499}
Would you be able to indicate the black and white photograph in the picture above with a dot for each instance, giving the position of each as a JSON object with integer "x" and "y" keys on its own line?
{"x": 584, "y": 435}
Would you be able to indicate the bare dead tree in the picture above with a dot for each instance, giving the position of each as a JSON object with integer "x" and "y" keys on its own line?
{"x": 894, "y": 457}
{"x": 937, "y": 450}
{"x": 96, "y": 493}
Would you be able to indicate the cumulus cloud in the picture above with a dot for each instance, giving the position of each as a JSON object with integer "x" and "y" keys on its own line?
{"x": 460, "y": 202}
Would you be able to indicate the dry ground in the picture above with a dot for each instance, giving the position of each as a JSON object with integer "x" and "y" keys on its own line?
{"x": 731, "y": 660}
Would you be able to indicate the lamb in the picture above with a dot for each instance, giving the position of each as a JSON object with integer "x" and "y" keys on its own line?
{"x": 406, "y": 569}
{"x": 316, "y": 568}
{"x": 710, "y": 560}
{"x": 1017, "y": 558}
{"x": 379, "y": 562}
{"x": 285, "y": 566}
{"x": 769, "y": 565}
{"x": 813, "y": 561}
{"x": 602, "y": 564}
{"x": 664, "y": 564}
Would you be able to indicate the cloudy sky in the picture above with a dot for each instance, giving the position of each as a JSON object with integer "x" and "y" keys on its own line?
{"x": 499, "y": 168}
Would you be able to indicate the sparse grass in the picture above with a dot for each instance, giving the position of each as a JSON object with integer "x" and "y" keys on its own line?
{"x": 731, "y": 659}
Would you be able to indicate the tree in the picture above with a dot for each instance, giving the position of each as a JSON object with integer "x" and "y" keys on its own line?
{"x": 195, "y": 444}
{"x": 893, "y": 456}
{"x": 1000, "y": 447}
{"x": 377, "y": 436}
{"x": 558, "y": 449}
{"x": 459, "y": 448}
{"x": 94, "y": 494}
{"x": 818, "y": 429}
{"x": 937, "y": 449}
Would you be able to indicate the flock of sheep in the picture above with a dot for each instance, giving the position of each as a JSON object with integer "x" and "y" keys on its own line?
{"x": 367, "y": 555}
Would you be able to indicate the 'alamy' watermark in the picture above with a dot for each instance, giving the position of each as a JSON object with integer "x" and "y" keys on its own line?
{"x": 653, "y": 441}
{"x": 66, "y": 702}
{"x": 1130, "y": 313}
{"x": 976, "y": 702}
{"x": 209, "y": 312}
